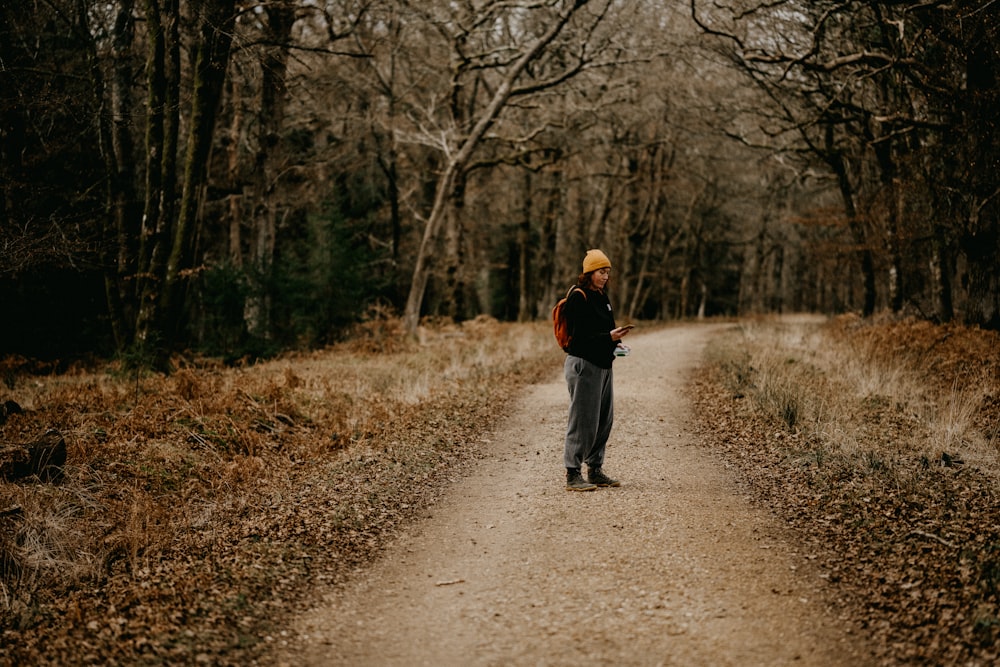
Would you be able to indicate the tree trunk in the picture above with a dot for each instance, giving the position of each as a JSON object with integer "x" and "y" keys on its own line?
{"x": 650, "y": 216}
{"x": 455, "y": 251}
{"x": 983, "y": 271}
{"x": 524, "y": 313}
{"x": 630, "y": 227}
{"x": 751, "y": 282}
{"x": 599, "y": 221}
{"x": 124, "y": 212}
{"x": 836, "y": 161}
{"x": 776, "y": 283}
{"x": 274, "y": 67}
{"x": 685, "y": 287}
{"x": 163, "y": 70}
{"x": 210, "y": 61}
{"x": 234, "y": 183}
{"x": 982, "y": 236}
{"x": 556, "y": 253}
{"x": 890, "y": 190}
{"x": 156, "y": 91}
{"x": 114, "y": 109}
{"x": 389, "y": 163}
{"x": 546, "y": 255}
{"x": 386, "y": 148}
{"x": 941, "y": 267}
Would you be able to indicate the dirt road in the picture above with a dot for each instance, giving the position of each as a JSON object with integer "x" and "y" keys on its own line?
{"x": 675, "y": 567}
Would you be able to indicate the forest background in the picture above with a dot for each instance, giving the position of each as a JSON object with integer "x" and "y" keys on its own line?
{"x": 239, "y": 179}
{"x": 246, "y": 177}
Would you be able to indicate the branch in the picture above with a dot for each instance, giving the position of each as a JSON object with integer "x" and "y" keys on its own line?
{"x": 712, "y": 31}
{"x": 290, "y": 46}
{"x": 931, "y": 536}
{"x": 549, "y": 83}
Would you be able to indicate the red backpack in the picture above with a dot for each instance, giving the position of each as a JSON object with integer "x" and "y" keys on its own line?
{"x": 559, "y": 325}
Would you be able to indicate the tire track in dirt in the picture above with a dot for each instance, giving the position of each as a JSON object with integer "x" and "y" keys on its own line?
{"x": 675, "y": 567}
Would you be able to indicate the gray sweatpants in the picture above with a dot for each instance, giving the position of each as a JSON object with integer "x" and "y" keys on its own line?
{"x": 591, "y": 412}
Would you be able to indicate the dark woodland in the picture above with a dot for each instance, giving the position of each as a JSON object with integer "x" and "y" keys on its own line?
{"x": 240, "y": 178}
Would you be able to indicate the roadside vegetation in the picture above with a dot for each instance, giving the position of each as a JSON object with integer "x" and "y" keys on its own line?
{"x": 200, "y": 508}
{"x": 878, "y": 442}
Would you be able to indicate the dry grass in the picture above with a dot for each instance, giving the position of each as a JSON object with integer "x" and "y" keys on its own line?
{"x": 198, "y": 506}
{"x": 838, "y": 385}
{"x": 879, "y": 442}
{"x": 200, "y": 509}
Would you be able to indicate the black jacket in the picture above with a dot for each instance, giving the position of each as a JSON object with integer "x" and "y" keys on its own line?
{"x": 590, "y": 323}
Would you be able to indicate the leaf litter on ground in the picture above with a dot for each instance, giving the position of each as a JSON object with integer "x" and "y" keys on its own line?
{"x": 204, "y": 508}
{"x": 877, "y": 442}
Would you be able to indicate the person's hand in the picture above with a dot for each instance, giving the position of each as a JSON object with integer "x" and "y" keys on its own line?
{"x": 619, "y": 333}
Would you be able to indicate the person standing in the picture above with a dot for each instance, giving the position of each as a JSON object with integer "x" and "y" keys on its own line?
{"x": 590, "y": 355}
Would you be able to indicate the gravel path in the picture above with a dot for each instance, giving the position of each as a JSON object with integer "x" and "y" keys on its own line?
{"x": 675, "y": 567}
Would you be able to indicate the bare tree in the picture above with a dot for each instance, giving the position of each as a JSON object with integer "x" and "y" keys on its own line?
{"x": 460, "y": 148}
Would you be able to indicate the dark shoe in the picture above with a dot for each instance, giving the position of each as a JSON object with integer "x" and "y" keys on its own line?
{"x": 575, "y": 482}
{"x": 598, "y": 478}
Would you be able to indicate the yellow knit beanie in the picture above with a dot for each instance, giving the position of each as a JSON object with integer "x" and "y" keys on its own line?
{"x": 595, "y": 259}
